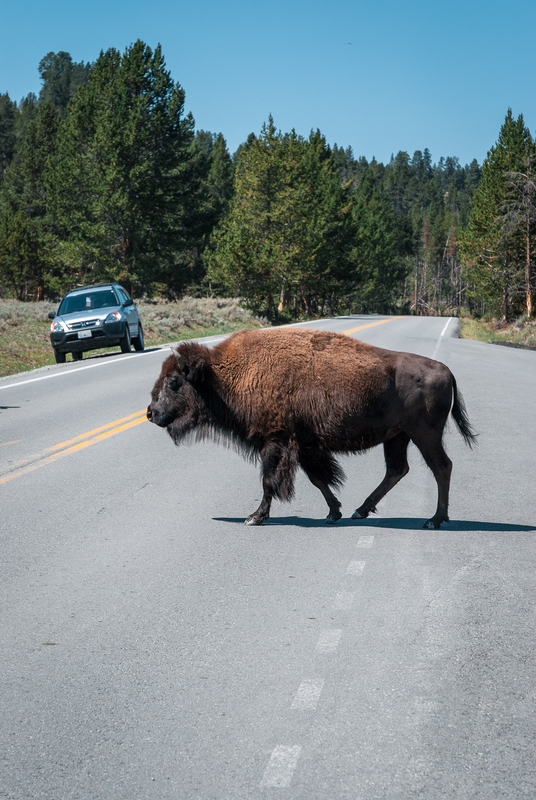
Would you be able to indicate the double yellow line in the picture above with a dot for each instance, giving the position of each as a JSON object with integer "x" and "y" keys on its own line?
{"x": 370, "y": 325}
{"x": 74, "y": 445}
{"x": 70, "y": 446}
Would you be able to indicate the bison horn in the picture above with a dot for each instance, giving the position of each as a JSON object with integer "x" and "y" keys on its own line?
{"x": 180, "y": 360}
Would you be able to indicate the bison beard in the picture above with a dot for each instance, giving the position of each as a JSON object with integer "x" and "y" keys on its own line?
{"x": 293, "y": 398}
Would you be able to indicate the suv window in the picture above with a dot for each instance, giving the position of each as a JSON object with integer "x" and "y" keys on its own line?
{"x": 86, "y": 301}
{"x": 123, "y": 296}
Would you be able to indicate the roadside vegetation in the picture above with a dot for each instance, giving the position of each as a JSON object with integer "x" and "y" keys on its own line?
{"x": 522, "y": 332}
{"x": 24, "y": 327}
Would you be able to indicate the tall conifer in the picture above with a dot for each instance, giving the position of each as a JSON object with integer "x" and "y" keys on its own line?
{"x": 127, "y": 177}
{"x": 494, "y": 251}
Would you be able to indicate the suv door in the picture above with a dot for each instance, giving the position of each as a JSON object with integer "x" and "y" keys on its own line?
{"x": 130, "y": 311}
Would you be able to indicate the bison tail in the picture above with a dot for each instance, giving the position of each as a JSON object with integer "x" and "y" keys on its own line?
{"x": 459, "y": 413}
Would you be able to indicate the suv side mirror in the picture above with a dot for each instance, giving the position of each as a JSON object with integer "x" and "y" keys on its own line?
{"x": 51, "y": 314}
{"x": 129, "y": 302}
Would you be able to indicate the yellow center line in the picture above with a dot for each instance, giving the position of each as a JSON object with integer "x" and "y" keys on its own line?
{"x": 370, "y": 325}
{"x": 96, "y": 431}
{"x": 74, "y": 445}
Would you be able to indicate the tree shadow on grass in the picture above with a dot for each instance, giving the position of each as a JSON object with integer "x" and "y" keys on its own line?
{"x": 393, "y": 523}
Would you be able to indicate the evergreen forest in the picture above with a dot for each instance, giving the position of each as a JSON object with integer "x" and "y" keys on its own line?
{"x": 105, "y": 176}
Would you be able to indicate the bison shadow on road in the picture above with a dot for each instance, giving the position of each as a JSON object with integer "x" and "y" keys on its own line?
{"x": 397, "y": 523}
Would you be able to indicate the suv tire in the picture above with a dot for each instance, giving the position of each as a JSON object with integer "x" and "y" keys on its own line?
{"x": 139, "y": 341}
{"x": 124, "y": 344}
{"x": 60, "y": 357}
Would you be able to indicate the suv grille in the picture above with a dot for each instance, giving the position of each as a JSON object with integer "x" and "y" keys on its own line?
{"x": 87, "y": 323}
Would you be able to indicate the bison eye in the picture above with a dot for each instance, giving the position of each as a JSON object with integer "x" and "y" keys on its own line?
{"x": 173, "y": 384}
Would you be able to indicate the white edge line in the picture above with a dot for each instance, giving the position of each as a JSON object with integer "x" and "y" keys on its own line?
{"x": 80, "y": 369}
{"x": 443, "y": 332}
{"x": 155, "y": 349}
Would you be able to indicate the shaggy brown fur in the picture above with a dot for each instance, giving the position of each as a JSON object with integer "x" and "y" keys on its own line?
{"x": 294, "y": 397}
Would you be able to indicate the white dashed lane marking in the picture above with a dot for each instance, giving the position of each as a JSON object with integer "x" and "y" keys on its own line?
{"x": 281, "y": 766}
{"x": 343, "y": 601}
{"x": 284, "y": 758}
{"x": 356, "y": 567}
{"x": 328, "y": 641}
{"x": 365, "y": 542}
{"x": 308, "y": 694}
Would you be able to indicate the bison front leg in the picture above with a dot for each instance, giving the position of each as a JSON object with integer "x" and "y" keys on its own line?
{"x": 263, "y": 511}
{"x": 279, "y": 463}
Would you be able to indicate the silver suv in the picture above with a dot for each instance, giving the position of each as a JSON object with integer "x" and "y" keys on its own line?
{"x": 103, "y": 315}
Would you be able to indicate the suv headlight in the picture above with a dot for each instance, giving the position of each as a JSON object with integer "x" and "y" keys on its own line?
{"x": 115, "y": 316}
{"x": 56, "y": 327}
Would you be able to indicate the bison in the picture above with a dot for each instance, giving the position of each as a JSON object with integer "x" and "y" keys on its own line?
{"x": 294, "y": 397}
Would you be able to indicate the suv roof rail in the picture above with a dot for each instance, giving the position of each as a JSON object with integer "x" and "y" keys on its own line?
{"x": 93, "y": 286}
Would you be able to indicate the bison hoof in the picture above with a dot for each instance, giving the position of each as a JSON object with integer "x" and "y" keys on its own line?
{"x": 333, "y": 516}
{"x": 253, "y": 520}
{"x": 432, "y": 525}
{"x": 363, "y": 512}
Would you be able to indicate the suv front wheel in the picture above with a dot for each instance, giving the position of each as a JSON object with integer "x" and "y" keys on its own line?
{"x": 124, "y": 344}
{"x": 139, "y": 341}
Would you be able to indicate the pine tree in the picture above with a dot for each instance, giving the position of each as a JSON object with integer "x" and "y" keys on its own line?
{"x": 220, "y": 178}
{"x": 61, "y": 79}
{"x": 8, "y": 111}
{"x": 127, "y": 176}
{"x": 27, "y": 111}
{"x": 380, "y": 245}
{"x": 285, "y": 228}
{"x": 494, "y": 251}
{"x": 28, "y": 248}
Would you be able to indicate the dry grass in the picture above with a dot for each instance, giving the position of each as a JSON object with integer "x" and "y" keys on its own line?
{"x": 24, "y": 327}
{"x": 522, "y": 332}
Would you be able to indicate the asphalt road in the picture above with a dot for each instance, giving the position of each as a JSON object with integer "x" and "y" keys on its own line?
{"x": 152, "y": 646}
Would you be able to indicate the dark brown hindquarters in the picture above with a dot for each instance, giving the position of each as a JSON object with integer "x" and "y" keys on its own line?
{"x": 424, "y": 426}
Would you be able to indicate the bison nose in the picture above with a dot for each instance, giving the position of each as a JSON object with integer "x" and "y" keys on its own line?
{"x": 149, "y": 414}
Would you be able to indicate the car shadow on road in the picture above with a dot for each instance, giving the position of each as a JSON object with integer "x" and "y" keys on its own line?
{"x": 394, "y": 523}
{"x": 99, "y": 355}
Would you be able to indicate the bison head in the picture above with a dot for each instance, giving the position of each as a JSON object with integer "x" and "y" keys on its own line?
{"x": 176, "y": 404}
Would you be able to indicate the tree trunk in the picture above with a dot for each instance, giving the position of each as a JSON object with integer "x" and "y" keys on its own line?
{"x": 505, "y": 294}
{"x": 282, "y": 297}
{"x": 528, "y": 272}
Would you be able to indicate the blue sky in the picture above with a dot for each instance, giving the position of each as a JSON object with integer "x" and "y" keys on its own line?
{"x": 378, "y": 75}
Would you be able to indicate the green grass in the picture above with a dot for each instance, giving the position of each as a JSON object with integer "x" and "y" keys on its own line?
{"x": 24, "y": 327}
{"x": 521, "y": 332}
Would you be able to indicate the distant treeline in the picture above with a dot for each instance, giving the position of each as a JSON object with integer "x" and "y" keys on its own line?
{"x": 104, "y": 176}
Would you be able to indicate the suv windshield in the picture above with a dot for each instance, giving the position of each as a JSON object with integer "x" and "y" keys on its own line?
{"x": 88, "y": 301}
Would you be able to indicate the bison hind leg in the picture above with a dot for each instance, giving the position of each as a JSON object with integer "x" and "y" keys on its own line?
{"x": 434, "y": 524}
{"x": 323, "y": 471}
{"x": 396, "y": 466}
